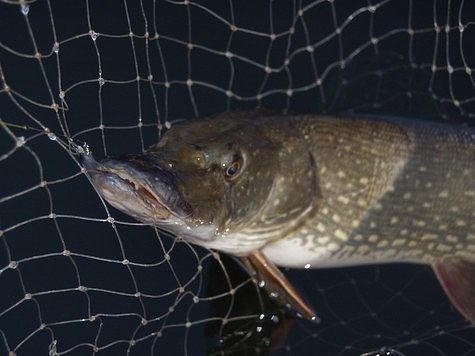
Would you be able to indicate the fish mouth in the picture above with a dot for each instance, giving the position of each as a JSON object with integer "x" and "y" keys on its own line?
{"x": 138, "y": 187}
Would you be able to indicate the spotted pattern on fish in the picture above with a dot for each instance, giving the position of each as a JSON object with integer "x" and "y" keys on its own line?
{"x": 406, "y": 201}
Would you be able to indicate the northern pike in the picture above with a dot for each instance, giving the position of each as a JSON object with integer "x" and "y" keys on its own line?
{"x": 309, "y": 191}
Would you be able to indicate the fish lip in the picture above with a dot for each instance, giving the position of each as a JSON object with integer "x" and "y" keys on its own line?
{"x": 133, "y": 179}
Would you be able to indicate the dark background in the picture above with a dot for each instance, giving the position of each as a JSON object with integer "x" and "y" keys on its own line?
{"x": 393, "y": 309}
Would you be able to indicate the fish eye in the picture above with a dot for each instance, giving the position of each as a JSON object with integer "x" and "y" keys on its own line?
{"x": 234, "y": 167}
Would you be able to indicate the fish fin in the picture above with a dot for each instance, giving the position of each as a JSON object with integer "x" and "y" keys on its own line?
{"x": 277, "y": 285}
{"x": 458, "y": 281}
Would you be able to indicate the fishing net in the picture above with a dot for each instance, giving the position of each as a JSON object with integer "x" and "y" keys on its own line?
{"x": 78, "y": 277}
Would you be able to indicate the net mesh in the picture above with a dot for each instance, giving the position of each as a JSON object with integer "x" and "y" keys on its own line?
{"x": 78, "y": 277}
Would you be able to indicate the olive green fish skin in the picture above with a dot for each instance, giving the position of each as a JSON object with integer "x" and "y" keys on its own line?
{"x": 393, "y": 190}
{"x": 307, "y": 190}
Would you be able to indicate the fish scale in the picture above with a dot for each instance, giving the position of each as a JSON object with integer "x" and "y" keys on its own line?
{"x": 421, "y": 205}
{"x": 430, "y": 202}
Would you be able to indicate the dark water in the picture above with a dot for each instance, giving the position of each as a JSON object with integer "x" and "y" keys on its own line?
{"x": 393, "y": 309}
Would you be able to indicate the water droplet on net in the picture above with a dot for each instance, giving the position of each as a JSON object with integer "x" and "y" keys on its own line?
{"x": 25, "y": 9}
{"x": 52, "y": 136}
{"x": 94, "y": 35}
{"x": 20, "y": 141}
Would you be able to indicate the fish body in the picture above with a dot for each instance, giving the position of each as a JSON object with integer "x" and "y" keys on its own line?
{"x": 309, "y": 191}
{"x": 393, "y": 190}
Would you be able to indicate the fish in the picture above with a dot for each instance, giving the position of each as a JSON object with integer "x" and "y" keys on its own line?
{"x": 309, "y": 191}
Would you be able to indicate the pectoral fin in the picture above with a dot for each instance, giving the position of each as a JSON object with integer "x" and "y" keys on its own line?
{"x": 458, "y": 281}
{"x": 276, "y": 284}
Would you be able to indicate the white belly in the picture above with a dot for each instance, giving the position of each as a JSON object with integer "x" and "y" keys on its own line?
{"x": 290, "y": 252}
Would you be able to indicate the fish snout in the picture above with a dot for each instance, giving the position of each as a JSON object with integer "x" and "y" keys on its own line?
{"x": 89, "y": 162}
{"x": 148, "y": 179}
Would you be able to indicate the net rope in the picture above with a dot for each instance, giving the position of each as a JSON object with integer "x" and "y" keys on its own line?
{"x": 78, "y": 277}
